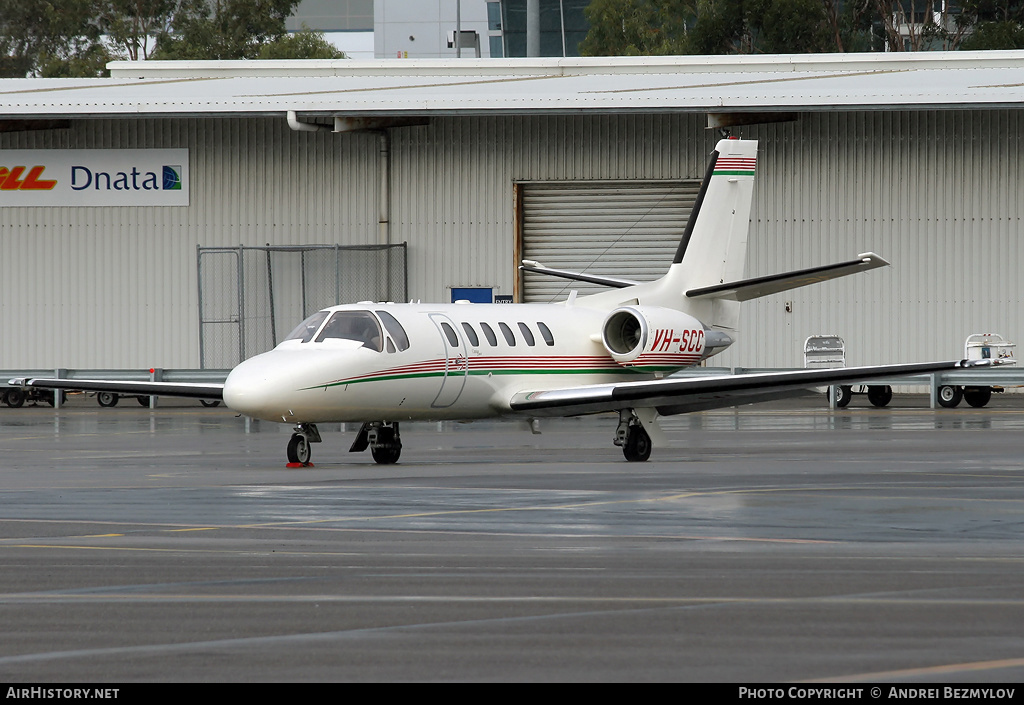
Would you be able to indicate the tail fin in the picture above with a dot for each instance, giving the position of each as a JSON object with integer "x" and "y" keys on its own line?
{"x": 713, "y": 249}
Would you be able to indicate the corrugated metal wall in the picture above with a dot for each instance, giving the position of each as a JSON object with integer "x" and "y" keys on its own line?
{"x": 935, "y": 192}
{"x": 116, "y": 286}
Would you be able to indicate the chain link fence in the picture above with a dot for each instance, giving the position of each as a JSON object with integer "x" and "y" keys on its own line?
{"x": 250, "y": 298}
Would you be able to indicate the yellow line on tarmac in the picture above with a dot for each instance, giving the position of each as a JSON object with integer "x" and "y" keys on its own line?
{"x": 947, "y": 669}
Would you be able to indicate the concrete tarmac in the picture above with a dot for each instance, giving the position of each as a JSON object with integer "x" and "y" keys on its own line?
{"x": 772, "y": 543}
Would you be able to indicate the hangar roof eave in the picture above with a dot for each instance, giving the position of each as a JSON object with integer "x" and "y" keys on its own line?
{"x": 782, "y": 83}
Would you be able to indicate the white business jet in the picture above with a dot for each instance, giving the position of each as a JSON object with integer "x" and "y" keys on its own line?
{"x": 380, "y": 364}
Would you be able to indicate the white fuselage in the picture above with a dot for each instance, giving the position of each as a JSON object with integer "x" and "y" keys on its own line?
{"x": 462, "y": 361}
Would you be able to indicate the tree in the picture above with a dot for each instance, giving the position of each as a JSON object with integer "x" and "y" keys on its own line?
{"x": 51, "y": 38}
{"x": 637, "y": 27}
{"x": 710, "y": 27}
{"x": 994, "y": 24}
{"x": 132, "y": 26}
{"x": 223, "y": 29}
{"x": 304, "y": 44}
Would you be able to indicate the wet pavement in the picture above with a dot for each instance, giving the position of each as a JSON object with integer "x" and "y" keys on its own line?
{"x": 770, "y": 543}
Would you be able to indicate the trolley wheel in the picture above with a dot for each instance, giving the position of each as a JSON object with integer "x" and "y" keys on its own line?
{"x": 15, "y": 398}
{"x": 880, "y": 395}
{"x": 107, "y": 399}
{"x": 950, "y": 396}
{"x": 51, "y": 399}
{"x": 978, "y": 396}
{"x": 844, "y": 394}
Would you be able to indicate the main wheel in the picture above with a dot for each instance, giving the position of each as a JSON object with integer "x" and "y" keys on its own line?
{"x": 880, "y": 395}
{"x": 844, "y": 394}
{"x": 209, "y": 403}
{"x": 950, "y": 396}
{"x": 978, "y": 396}
{"x": 107, "y": 399}
{"x": 385, "y": 456}
{"x": 143, "y": 401}
{"x": 637, "y": 448}
{"x": 298, "y": 449}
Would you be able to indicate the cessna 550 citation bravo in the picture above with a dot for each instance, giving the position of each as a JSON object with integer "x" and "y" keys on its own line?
{"x": 379, "y": 364}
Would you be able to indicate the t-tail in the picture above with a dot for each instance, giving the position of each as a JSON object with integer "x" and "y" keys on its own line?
{"x": 704, "y": 283}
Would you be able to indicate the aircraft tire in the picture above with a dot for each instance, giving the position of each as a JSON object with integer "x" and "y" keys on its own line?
{"x": 949, "y": 396}
{"x": 978, "y": 396}
{"x": 107, "y": 399}
{"x": 143, "y": 401}
{"x": 298, "y": 449}
{"x": 209, "y": 403}
{"x": 637, "y": 447}
{"x": 385, "y": 456}
{"x": 880, "y": 395}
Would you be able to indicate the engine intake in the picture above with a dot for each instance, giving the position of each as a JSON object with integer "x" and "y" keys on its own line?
{"x": 652, "y": 338}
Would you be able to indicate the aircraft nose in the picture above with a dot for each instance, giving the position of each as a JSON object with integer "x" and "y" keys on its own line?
{"x": 252, "y": 389}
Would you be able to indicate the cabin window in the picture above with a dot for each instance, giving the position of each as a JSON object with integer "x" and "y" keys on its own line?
{"x": 471, "y": 334}
{"x": 507, "y": 332}
{"x": 360, "y": 326}
{"x": 307, "y": 329}
{"x": 395, "y": 330}
{"x": 546, "y": 333}
{"x": 449, "y": 333}
{"x": 489, "y": 334}
{"x": 527, "y": 334}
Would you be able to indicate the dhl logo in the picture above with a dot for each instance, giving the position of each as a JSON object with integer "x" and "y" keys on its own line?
{"x": 665, "y": 339}
{"x": 11, "y": 180}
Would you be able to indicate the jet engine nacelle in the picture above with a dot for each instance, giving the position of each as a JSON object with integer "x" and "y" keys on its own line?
{"x": 653, "y": 337}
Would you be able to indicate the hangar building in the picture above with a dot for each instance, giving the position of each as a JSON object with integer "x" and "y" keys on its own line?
{"x": 213, "y": 204}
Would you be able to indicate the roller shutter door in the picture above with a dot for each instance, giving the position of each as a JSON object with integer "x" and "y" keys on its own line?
{"x": 619, "y": 229}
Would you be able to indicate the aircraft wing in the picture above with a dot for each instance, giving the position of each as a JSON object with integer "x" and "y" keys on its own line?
{"x": 679, "y": 396}
{"x": 196, "y": 390}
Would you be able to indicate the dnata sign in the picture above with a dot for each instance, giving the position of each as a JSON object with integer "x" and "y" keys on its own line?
{"x": 94, "y": 177}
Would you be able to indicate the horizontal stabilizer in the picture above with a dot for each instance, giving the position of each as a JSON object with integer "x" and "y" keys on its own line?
{"x": 538, "y": 268}
{"x": 167, "y": 389}
{"x": 763, "y": 286}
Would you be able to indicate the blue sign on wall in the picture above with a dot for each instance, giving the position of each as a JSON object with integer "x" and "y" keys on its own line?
{"x": 474, "y": 295}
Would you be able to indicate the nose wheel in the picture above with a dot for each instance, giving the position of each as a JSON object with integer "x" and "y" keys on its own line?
{"x": 299, "y": 451}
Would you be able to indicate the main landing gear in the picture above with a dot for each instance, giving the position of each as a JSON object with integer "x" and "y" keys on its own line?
{"x": 383, "y": 440}
{"x": 631, "y": 436}
{"x": 381, "y": 437}
{"x": 299, "y": 451}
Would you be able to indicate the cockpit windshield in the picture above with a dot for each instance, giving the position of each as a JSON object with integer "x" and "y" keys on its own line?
{"x": 360, "y": 326}
{"x": 307, "y": 329}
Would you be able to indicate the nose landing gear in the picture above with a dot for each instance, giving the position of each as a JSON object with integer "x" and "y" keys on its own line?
{"x": 299, "y": 451}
